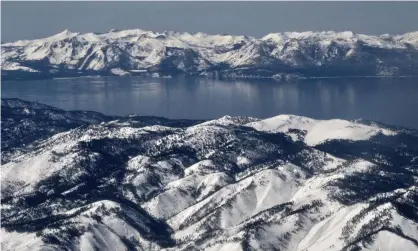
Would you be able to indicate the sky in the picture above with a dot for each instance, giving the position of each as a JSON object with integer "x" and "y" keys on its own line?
{"x": 30, "y": 20}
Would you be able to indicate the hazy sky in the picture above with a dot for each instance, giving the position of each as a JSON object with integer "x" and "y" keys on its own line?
{"x": 27, "y": 20}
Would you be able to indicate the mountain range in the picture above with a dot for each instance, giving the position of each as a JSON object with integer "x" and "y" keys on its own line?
{"x": 281, "y": 56}
{"x": 81, "y": 180}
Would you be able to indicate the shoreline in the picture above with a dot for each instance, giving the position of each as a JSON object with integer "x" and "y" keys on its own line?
{"x": 214, "y": 78}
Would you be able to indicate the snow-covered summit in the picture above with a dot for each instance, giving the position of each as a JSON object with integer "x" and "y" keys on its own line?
{"x": 135, "y": 51}
{"x": 319, "y": 131}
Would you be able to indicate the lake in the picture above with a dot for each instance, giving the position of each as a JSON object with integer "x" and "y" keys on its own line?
{"x": 388, "y": 100}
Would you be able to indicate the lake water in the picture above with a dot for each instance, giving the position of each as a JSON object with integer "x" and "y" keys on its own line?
{"x": 388, "y": 100}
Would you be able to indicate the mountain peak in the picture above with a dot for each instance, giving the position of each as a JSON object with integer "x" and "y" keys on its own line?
{"x": 65, "y": 32}
{"x": 62, "y": 35}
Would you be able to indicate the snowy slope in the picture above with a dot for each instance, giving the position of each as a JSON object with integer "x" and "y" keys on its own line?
{"x": 319, "y": 131}
{"x": 139, "y": 52}
{"x": 235, "y": 183}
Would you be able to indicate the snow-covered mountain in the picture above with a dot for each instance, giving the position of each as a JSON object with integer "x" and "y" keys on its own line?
{"x": 235, "y": 183}
{"x": 277, "y": 55}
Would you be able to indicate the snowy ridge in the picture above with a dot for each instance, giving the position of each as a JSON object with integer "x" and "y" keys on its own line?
{"x": 235, "y": 183}
{"x": 140, "y": 52}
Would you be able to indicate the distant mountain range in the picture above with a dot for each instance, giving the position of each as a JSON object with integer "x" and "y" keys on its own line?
{"x": 280, "y": 56}
{"x": 77, "y": 180}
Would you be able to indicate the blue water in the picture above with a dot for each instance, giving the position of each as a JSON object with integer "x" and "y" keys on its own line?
{"x": 388, "y": 100}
